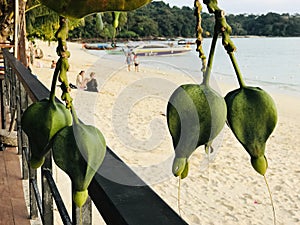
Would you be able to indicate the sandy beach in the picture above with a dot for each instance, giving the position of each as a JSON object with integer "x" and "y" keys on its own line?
{"x": 220, "y": 189}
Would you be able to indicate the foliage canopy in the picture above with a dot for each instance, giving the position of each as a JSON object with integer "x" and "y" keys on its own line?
{"x": 158, "y": 19}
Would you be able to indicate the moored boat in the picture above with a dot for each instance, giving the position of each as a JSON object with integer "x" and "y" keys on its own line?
{"x": 186, "y": 42}
{"x": 160, "y": 50}
{"x": 98, "y": 46}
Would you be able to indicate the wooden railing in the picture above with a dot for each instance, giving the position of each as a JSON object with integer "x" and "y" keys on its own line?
{"x": 118, "y": 203}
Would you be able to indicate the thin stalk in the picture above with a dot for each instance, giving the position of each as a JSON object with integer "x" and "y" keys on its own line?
{"x": 74, "y": 115}
{"x": 80, "y": 215}
{"x": 178, "y": 195}
{"x": 114, "y": 37}
{"x": 207, "y": 72}
{"x": 53, "y": 85}
{"x": 237, "y": 69}
{"x": 271, "y": 199}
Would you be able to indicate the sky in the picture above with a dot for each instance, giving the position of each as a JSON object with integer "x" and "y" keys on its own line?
{"x": 247, "y": 6}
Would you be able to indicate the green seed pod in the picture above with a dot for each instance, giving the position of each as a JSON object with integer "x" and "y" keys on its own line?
{"x": 81, "y": 8}
{"x": 79, "y": 151}
{"x": 195, "y": 114}
{"x": 41, "y": 121}
{"x": 99, "y": 22}
{"x": 116, "y": 16}
{"x": 252, "y": 117}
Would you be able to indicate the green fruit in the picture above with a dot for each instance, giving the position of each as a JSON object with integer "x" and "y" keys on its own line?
{"x": 41, "y": 121}
{"x": 116, "y": 16}
{"x": 81, "y": 8}
{"x": 252, "y": 116}
{"x": 195, "y": 114}
{"x": 99, "y": 22}
{"x": 79, "y": 151}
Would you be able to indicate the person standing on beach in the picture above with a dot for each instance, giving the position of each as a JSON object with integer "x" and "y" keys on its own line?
{"x": 53, "y": 64}
{"x": 128, "y": 60}
{"x": 135, "y": 62}
{"x": 92, "y": 84}
{"x": 29, "y": 55}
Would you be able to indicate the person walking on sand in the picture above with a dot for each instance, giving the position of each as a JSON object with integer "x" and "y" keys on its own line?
{"x": 92, "y": 84}
{"x": 135, "y": 62}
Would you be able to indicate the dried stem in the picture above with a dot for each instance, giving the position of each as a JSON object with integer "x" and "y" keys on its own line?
{"x": 199, "y": 30}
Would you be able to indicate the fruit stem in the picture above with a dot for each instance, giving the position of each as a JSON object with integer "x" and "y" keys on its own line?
{"x": 53, "y": 85}
{"x": 271, "y": 198}
{"x": 207, "y": 73}
{"x": 74, "y": 115}
{"x": 237, "y": 69}
{"x": 58, "y": 64}
{"x": 221, "y": 26}
{"x": 114, "y": 37}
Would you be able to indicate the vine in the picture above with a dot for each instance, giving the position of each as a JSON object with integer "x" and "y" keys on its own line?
{"x": 199, "y": 31}
{"x": 62, "y": 65}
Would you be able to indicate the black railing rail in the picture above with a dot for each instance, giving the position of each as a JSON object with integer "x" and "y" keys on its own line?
{"x": 117, "y": 202}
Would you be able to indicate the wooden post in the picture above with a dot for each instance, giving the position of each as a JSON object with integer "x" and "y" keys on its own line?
{"x": 2, "y": 94}
{"x": 33, "y": 203}
{"x": 16, "y": 28}
{"x": 47, "y": 199}
{"x": 22, "y": 138}
{"x": 83, "y": 217}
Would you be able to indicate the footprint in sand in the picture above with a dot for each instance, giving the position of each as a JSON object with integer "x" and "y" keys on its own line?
{"x": 222, "y": 202}
{"x": 277, "y": 188}
{"x": 194, "y": 219}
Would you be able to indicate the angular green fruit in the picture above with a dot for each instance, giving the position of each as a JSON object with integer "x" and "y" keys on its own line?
{"x": 79, "y": 151}
{"x": 195, "y": 114}
{"x": 41, "y": 121}
{"x": 252, "y": 116}
{"x": 81, "y": 8}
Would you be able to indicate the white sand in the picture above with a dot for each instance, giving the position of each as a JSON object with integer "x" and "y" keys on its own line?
{"x": 129, "y": 110}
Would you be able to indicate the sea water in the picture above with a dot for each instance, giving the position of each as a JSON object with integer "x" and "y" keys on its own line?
{"x": 271, "y": 63}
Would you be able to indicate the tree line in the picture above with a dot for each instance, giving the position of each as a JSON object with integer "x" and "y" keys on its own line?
{"x": 158, "y": 19}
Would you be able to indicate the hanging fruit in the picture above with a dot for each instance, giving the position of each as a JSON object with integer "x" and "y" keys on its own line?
{"x": 41, "y": 121}
{"x": 251, "y": 112}
{"x": 195, "y": 114}
{"x": 252, "y": 117}
{"x": 79, "y": 151}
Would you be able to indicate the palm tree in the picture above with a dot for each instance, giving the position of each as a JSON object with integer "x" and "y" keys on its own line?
{"x": 7, "y": 8}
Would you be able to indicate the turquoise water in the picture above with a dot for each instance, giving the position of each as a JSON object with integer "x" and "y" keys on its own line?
{"x": 272, "y": 63}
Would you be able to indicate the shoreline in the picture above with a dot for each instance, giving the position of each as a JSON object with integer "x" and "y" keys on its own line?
{"x": 129, "y": 110}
